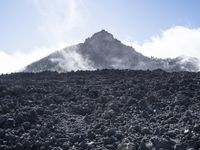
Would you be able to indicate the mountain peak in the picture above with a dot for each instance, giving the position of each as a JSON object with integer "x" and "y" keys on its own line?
{"x": 104, "y": 32}
{"x": 103, "y": 51}
{"x": 102, "y": 35}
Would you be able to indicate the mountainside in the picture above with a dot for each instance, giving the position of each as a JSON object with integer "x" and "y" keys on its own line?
{"x": 103, "y": 51}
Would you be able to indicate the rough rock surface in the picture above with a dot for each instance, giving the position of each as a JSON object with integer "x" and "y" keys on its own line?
{"x": 100, "y": 110}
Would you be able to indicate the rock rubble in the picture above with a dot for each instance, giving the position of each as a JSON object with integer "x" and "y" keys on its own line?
{"x": 100, "y": 110}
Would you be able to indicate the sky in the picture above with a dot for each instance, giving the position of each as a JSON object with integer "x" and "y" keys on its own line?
{"x": 32, "y": 29}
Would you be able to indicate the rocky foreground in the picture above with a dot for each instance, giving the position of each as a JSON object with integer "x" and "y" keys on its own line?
{"x": 100, "y": 110}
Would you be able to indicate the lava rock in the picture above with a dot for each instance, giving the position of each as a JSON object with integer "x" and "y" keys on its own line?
{"x": 2, "y": 120}
{"x": 126, "y": 146}
{"x": 104, "y": 109}
{"x": 179, "y": 147}
{"x": 110, "y": 132}
{"x": 91, "y": 135}
{"x": 26, "y": 125}
{"x": 10, "y": 122}
{"x": 182, "y": 99}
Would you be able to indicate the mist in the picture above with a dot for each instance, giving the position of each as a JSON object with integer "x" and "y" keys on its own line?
{"x": 17, "y": 61}
{"x": 170, "y": 43}
{"x": 71, "y": 60}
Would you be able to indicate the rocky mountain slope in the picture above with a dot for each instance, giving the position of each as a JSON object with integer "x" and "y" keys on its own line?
{"x": 100, "y": 110}
{"x": 103, "y": 51}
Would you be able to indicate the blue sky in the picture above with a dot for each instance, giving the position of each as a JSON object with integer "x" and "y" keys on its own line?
{"x": 28, "y": 26}
{"x": 135, "y": 19}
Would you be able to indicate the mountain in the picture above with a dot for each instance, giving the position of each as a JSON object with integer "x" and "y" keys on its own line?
{"x": 103, "y": 51}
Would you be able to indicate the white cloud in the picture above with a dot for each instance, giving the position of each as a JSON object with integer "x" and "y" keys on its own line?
{"x": 172, "y": 42}
{"x": 59, "y": 19}
{"x": 17, "y": 61}
{"x": 72, "y": 60}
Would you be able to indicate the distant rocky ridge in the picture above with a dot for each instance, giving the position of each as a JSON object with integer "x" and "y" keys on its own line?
{"x": 103, "y": 51}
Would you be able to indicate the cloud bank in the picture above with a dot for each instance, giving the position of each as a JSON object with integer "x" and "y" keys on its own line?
{"x": 72, "y": 60}
{"x": 57, "y": 21}
{"x": 173, "y": 42}
{"x": 18, "y": 60}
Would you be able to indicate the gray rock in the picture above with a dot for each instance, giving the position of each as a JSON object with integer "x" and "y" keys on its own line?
{"x": 126, "y": 146}
{"x": 10, "y": 122}
{"x": 2, "y": 120}
{"x": 179, "y": 147}
{"x": 145, "y": 130}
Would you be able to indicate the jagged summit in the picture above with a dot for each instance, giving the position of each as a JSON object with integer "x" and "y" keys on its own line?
{"x": 103, "y": 51}
{"x": 102, "y": 35}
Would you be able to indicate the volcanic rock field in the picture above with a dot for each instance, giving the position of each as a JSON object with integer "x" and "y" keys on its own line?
{"x": 100, "y": 110}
